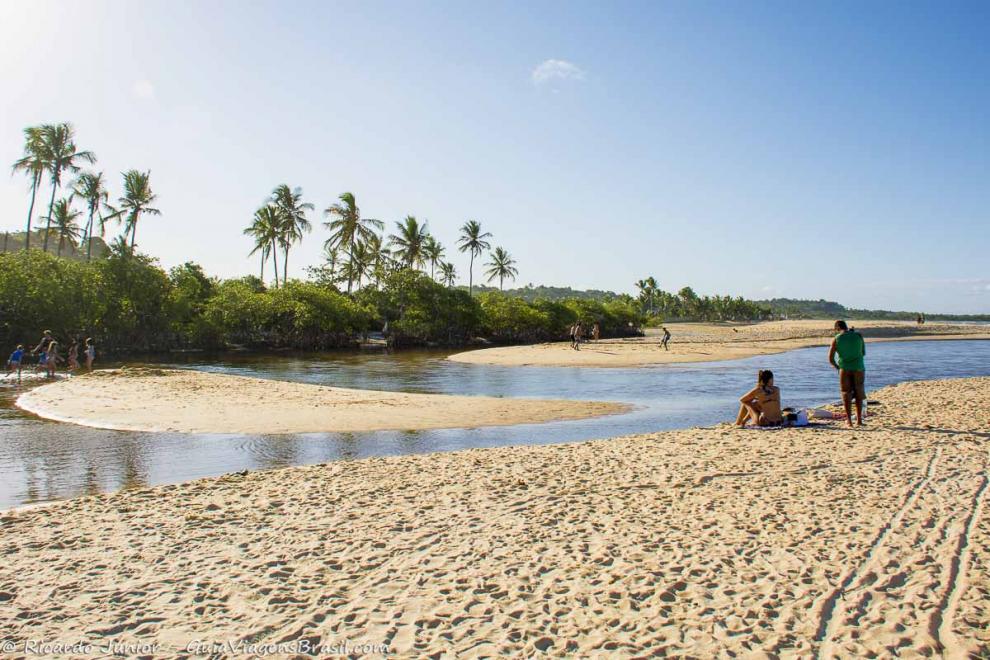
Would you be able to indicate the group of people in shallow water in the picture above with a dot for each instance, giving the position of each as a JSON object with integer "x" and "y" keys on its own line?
{"x": 49, "y": 357}
{"x": 847, "y": 352}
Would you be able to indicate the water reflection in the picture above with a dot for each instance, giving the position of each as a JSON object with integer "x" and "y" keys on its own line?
{"x": 42, "y": 460}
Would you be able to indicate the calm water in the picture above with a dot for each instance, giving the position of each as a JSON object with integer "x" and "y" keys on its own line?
{"x": 42, "y": 461}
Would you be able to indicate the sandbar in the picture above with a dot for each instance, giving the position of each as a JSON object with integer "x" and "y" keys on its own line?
{"x": 708, "y": 342}
{"x": 187, "y": 401}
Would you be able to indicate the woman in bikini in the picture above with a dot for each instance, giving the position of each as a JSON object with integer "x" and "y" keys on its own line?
{"x": 761, "y": 405}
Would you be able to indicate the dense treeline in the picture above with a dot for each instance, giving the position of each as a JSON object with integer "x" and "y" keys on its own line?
{"x": 128, "y": 303}
{"x": 826, "y": 309}
{"x": 686, "y": 305}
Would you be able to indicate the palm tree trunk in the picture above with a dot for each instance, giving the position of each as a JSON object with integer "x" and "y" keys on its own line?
{"x": 350, "y": 272}
{"x": 61, "y": 241}
{"x": 285, "y": 266}
{"x": 471, "y": 275}
{"x": 51, "y": 205}
{"x": 133, "y": 232}
{"x": 88, "y": 237}
{"x": 275, "y": 259}
{"x": 34, "y": 192}
{"x": 263, "y": 260}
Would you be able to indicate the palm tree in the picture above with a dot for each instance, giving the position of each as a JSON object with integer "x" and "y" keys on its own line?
{"x": 647, "y": 292}
{"x": 448, "y": 274}
{"x": 137, "y": 199}
{"x": 90, "y": 187}
{"x": 501, "y": 266}
{"x": 381, "y": 259}
{"x": 358, "y": 264}
{"x": 64, "y": 219}
{"x": 348, "y": 228}
{"x": 34, "y": 162}
{"x": 265, "y": 229}
{"x": 433, "y": 251}
{"x": 473, "y": 240}
{"x": 409, "y": 242}
{"x": 332, "y": 256}
{"x": 294, "y": 222}
{"x": 62, "y": 156}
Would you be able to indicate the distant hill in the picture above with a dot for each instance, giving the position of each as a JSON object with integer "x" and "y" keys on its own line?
{"x": 14, "y": 241}
{"x": 529, "y": 293}
{"x": 826, "y": 309}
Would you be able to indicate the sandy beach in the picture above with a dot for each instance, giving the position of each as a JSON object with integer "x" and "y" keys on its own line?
{"x": 699, "y": 542}
{"x": 704, "y": 342}
{"x": 200, "y": 402}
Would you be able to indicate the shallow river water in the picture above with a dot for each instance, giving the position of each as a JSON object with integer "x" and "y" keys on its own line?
{"x": 41, "y": 460}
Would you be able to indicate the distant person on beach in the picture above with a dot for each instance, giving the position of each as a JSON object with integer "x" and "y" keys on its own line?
{"x": 73, "y": 355}
{"x": 15, "y": 360}
{"x": 761, "y": 405}
{"x": 42, "y": 346}
{"x": 847, "y": 354}
{"x": 666, "y": 338}
{"x": 53, "y": 358}
{"x": 596, "y": 331}
{"x": 578, "y": 336}
{"x": 572, "y": 331}
{"x": 42, "y": 362}
{"x": 90, "y": 354}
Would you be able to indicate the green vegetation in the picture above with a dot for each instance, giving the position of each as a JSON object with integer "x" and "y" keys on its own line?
{"x": 78, "y": 286}
{"x": 825, "y": 309}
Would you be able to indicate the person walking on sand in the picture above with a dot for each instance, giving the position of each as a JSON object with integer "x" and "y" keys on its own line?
{"x": 847, "y": 354}
{"x": 15, "y": 360}
{"x": 596, "y": 331}
{"x": 572, "y": 331}
{"x": 578, "y": 336}
{"x": 666, "y": 338}
{"x": 90, "y": 354}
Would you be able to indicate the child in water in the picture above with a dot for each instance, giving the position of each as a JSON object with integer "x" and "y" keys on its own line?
{"x": 14, "y": 362}
{"x": 90, "y": 353}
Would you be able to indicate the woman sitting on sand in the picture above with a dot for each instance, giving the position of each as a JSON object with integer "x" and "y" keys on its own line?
{"x": 761, "y": 405}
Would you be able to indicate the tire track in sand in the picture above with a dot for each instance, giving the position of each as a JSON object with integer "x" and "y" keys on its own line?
{"x": 834, "y": 606}
{"x": 944, "y": 615}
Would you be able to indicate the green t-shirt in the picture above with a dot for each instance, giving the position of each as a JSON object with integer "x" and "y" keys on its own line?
{"x": 850, "y": 349}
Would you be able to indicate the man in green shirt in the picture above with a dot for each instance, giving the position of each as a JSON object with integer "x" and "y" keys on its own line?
{"x": 846, "y": 354}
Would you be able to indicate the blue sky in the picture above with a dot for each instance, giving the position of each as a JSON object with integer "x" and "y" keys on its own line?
{"x": 837, "y": 150}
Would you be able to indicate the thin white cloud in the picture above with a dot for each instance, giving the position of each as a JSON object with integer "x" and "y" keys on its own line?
{"x": 551, "y": 70}
{"x": 143, "y": 90}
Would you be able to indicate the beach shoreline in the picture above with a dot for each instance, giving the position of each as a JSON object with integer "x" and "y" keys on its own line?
{"x": 701, "y": 541}
{"x": 709, "y": 342}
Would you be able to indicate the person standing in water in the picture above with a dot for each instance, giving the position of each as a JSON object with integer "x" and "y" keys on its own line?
{"x": 847, "y": 354}
{"x": 53, "y": 358}
{"x": 73, "y": 355}
{"x": 16, "y": 358}
{"x": 90, "y": 353}
{"x": 666, "y": 338}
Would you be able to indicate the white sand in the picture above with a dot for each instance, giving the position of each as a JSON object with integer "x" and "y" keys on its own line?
{"x": 199, "y": 402}
{"x": 705, "y": 342}
{"x": 702, "y": 543}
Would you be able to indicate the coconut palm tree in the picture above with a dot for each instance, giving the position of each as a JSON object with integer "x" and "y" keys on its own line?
{"x": 62, "y": 156}
{"x": 89, "y": 186}
{"x": 433, "y": 252}
{"x": 265, "y": 229}
{"x": 34, "y": 162}
{"x": 137, "y": 200}
{"x": 294, "y": 222}
{"x": 409, "y": 242}
{"x": 473, "y": 240}
{"x": 65, "y": 226}
{"x": 502, "y": 266}
{"x": 448, "y": 274}
{"x": 648, "y": 289}
{"x": 358, "y": 264}
{"x": 348, "y": 228}
{"x": 382, "y": 260}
